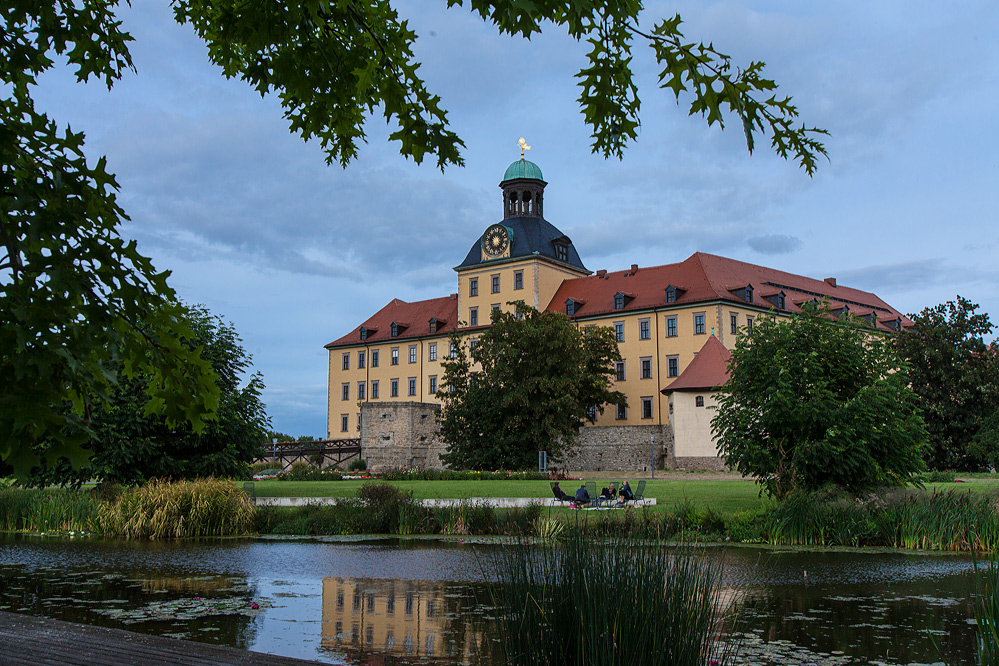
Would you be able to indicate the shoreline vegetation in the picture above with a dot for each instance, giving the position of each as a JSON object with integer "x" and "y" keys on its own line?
{"x": 943, "y": 517}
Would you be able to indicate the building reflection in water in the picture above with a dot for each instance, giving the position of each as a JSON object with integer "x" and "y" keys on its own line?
{"x": 376, "y": 621}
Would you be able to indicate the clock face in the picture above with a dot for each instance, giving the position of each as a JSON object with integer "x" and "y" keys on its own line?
{"x": 496, "y": 240}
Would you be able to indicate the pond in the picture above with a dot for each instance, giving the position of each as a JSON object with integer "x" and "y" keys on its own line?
{"x": 421, "y": 601}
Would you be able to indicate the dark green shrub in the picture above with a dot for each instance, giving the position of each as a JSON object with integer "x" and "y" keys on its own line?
{"x": 941, "y": 476}
{"x": 358, "y": 465}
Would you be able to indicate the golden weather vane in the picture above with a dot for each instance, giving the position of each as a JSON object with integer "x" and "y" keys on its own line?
{"x": 523, "y": 146}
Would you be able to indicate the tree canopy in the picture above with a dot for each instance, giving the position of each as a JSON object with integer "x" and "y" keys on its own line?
{"x": 131, "y": 446}
{"x": 82, "y": 311}
{"x": 956, "y": 376}
{"x": 814, "y": 401}
{"x": 537, "y": 378}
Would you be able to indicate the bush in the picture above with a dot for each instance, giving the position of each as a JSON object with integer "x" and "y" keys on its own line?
{"x": 358, "y": 465}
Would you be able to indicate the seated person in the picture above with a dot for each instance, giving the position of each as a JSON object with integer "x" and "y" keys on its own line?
{"x": 625, "y": 492}
{"x": 608, "y": 493}
{"x": 559, "y": 493}
{"x": 582, "y": 497}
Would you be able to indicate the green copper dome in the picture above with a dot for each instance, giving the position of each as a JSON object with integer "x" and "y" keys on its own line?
{"x": 523, "y": 169}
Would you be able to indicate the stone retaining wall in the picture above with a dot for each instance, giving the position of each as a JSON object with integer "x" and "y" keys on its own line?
{"x": 404, "y": 435}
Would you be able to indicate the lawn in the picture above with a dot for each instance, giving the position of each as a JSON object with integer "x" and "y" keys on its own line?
{"x": 727, "y": 496}
{"x": 724, "y": 495}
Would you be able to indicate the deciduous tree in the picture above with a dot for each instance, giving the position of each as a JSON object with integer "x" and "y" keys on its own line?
{"x": 526, "y": 387}
{"x": 814, "y": 401}
{"x": 131, "y": 446}
{"x": 956, "y": 376}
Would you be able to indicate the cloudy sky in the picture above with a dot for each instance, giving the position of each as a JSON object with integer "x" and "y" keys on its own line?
{"x": 253, "y": 224}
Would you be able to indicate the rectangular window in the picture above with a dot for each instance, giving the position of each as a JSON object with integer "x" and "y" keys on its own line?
{"x": 495, "y": 284}
{"x": 452, "y": 351}
{"x": 646, "y": 408}
{"x": 734, "y": 323}
{"x": 394, "y": 388}
{"x": 432, "y": 382}
{"x": 671, "y": 326}
{"x": 374, "y": 390}
{"x": 619, "y": 371}
{"x": 412, "y": 353}
{"x": 395, "y": 356}
{"x": 518, "y": 279}
{"x": 433, "y": 351}
{"x": 360, "y": 359}
{"x": 473, "y": 286}
{"x": 345, "y": 391}
{"x": 591, "y": 412}
{"x": 473, "y": 316}
{"x": 360, "y": 390}
{"x": 622, "y": 411}
{"x": 619, "y": 331}
{"x": 346, "y": 360}
{"x": 344, "y": 423}
{"x": 472, "y": 346}
{"x": 494, "y": 307}
{"x": 672, "y": 366}
{"x": 699, "y": 323}
{"x": 374, "y": 358}
{"x": 646, "y": 368}
{"x": 643, "y": 329}
{"x": 412, "y": 386}
{"x": 699, "y": 401}
{"x": 749, "y": 322}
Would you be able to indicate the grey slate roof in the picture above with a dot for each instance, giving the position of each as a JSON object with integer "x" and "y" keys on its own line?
{"x": 530, "y": 235}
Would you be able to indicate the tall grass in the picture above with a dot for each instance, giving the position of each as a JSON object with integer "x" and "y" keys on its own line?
{"x": 987, "y": 613}
{"x": 162, "y": 509}
{"x": 30, "y": 510}
{"x": 609, "y": 602}
{"x": 926, "y": 521}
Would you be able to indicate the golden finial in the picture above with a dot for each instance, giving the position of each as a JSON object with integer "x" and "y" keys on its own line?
{"x": 523, "y": 146}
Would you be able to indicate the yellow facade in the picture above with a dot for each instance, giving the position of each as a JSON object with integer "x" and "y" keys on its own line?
{"x": 665, "y": 314}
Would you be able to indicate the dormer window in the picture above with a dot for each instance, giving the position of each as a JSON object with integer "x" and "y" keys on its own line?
{"x": 843, "y": 311}
{"x": 619, "y": 301}
{"x": 561, "y": 247}
{"x": 746, "y": 293}
{"x": 780, "y": 301}
{"x": 397, "y": 327}
{"x": 364, "y": 333}
{"x": 570, "y": 307}
{"x": 436, "y": 324}
{"x": 894, "y": 324}
{"x": 673, "y": 293}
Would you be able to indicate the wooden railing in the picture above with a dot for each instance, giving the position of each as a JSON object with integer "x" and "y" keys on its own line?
{"x": 333, "y": 452}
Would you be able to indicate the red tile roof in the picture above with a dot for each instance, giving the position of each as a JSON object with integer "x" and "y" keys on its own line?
{"x": 708, "y": 370}
{"x": 416, "y": 316}
{"x": 707, "y": 277}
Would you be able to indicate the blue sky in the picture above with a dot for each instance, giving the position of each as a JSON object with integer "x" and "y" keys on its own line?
{"x": 254, "y": 225}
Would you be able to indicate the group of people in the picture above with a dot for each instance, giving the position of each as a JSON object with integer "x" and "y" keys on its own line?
{"x": 583, "y": 498}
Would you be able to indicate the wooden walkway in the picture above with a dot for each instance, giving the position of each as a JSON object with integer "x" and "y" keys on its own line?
{"x": 26, "y": 640}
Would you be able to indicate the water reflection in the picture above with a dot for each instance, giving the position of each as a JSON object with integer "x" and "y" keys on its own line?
{"x": 418, "y": 621}
{"x": 425, "y": 602}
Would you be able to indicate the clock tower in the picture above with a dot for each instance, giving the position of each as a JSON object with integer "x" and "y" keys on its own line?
{"x": 521, "y": 258}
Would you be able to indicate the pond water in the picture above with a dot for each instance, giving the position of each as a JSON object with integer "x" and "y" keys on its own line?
{"x": 421, "y": 601}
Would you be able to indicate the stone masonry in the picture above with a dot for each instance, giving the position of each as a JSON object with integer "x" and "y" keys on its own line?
{"x": 404, "y": 435}
{"x": 400, "y": 435}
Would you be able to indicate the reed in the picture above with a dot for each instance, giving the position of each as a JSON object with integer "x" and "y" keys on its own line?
{"x": 611, "y": 602}
{"x": 987, "y": 613}
{"x": 51, "y": 510}
{"x": 163, "y": 509}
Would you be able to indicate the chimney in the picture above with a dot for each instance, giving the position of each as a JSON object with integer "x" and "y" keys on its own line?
{"x": 831, "y": 282}
{"x": 602, "y": 272}
{"x": 634, "y": 268}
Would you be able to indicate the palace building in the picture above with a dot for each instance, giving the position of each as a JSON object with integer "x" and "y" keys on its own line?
{"x": 674, "y": 324}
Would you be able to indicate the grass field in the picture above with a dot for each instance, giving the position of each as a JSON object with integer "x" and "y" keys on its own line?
{"x": 726, "y": 496}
